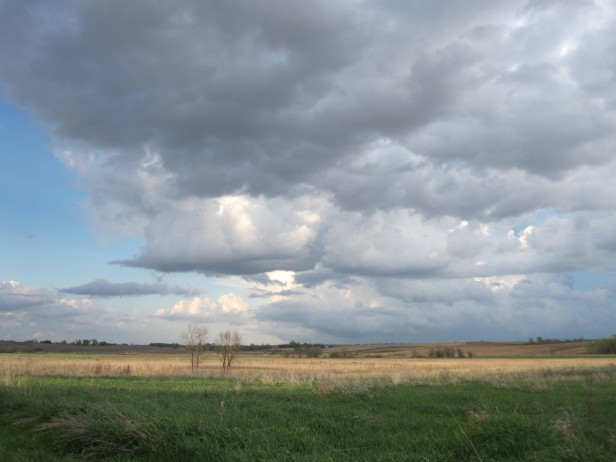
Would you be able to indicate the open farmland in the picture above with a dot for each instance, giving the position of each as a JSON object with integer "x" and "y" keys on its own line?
{"x": 67, "y": 407}
{"x": 475, "y": 348}
{"x": 568, "y": 348}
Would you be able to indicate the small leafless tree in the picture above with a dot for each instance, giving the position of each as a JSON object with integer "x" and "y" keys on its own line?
{"x": 194, "y": 339}
{"x": 229, "y": 343}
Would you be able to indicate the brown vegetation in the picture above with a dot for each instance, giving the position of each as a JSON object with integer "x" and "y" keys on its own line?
{"x": 229, "y": 343}
{"x": 194, "y": 340}
{"x": 412, "y": 350}
{"x": 270, "y": 368}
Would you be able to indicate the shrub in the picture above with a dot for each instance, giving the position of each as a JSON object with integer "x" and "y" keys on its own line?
{"x": 340, "y": 354}
{"x": 443, "y": 352}
{"x": 603, "y": 346}
{"x": 314, "y": 351}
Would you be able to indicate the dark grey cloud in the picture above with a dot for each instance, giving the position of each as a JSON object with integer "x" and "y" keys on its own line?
{"x": 264, "y": 96}
{"x": 205, "y": 83}
{"x": 104, "y": 288}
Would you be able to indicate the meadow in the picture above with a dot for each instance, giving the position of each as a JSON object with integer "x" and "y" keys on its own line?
{"x": 67, "y": 407}
{"x": 272, "y": 368}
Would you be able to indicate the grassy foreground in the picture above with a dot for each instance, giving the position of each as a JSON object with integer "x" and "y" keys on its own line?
{"x": 564, "y": 416}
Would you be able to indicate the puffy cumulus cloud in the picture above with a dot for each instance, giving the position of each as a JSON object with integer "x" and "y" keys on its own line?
{"x": 104, "y": 288}
{"x": 454, "y": 151}
{"x": 227, "y": 308}
{"x": 400, "y": 244}
{"x": 232, "y": 235}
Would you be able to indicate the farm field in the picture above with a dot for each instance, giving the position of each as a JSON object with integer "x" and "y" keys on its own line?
{"x": 273, "y": 368}
{"x": 568, "y": 348}
{"x": 56, "y": 407}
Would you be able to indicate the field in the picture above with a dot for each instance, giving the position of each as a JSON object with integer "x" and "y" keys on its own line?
{"x": 412, "y": 350}
{"x": 67, "y": 407}
{"x": 269, "y": 368}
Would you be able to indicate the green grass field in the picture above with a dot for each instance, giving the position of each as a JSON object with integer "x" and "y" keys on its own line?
{"x": 562, "y": 417}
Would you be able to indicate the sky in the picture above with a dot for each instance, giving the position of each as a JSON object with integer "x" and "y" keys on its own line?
{"x": 328, "y": 171}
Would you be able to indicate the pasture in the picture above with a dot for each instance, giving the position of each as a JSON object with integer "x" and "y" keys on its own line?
{"x": 67, "y": 407}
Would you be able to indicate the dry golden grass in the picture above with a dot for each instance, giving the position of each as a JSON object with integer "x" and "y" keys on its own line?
{"x": 271, "y": 369}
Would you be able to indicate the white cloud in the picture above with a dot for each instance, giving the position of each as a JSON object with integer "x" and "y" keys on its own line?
{"x": 226, "y": 308}
{"x": 232, "y": 234}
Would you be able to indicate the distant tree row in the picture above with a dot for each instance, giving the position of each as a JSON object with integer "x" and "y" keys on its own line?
{"x": 449, "y": 352}
{"x": 253, "y": 347}
{"x": 311, "y": 350}
{"x": 90, "y": 342}
{"x": 165, "y": 345}
{"x": 543, "y": 341}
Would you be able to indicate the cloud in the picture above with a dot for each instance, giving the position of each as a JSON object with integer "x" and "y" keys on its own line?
{"x": 231, "y": 235}
{"x": 35, "y": 306}
{"x": 452, "y": 151}
{"x": 104, "y": 288}
{"x": 405, "y": 310}
{"x": 35, "y": 312}
{"x": 246, "y": 99}
{"x": 15, "y": 297}
{"x": 228, "y": 308}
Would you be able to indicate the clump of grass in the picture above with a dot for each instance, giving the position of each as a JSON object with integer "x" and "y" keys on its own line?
{"x": 564, "y": 426}
{"x": 109, "y": 433}
{"x": 133, "y": 432}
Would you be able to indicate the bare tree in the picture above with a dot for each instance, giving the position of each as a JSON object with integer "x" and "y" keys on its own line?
{"x": 194, "y": 340}
{"x": 229, "y": 343}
